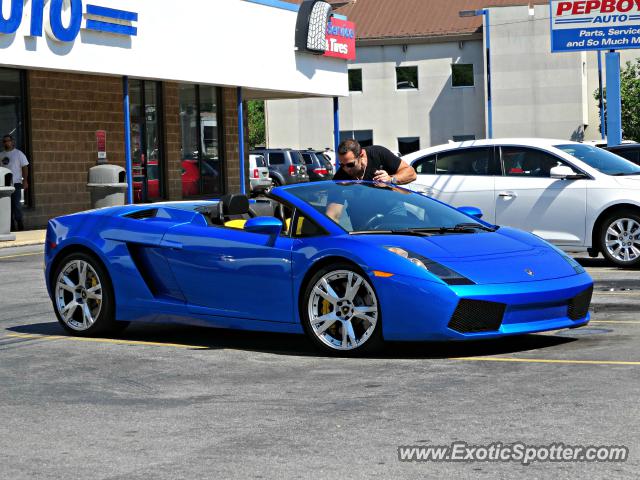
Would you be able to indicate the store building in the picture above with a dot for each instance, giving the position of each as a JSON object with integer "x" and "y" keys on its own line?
{"x": 63, "y": 71}
{"x": 420, "y": 78}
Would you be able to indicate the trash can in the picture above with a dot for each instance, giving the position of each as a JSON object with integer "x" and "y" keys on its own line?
{"x": 107, "y": 185}
{"x": 6, "y": 189}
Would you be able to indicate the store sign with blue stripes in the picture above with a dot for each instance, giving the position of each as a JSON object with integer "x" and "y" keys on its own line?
{"x": 594, "y": 25}
{"x": 96, "y": 18}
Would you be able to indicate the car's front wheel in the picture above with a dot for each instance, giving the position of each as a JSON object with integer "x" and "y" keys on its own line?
{"x": 340, "y": 311}
{"x": 620, "y": 238}
{"x": 83, "y": 296}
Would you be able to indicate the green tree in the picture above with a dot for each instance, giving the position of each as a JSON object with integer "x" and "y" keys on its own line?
{"x": 255, "y": 114}
{"x": 629, "y": 98}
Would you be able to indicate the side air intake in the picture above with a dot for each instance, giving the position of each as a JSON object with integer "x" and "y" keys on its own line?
{"x": 142, "y": 214}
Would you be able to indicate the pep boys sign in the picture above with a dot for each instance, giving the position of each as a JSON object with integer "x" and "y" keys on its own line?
{"x": 62, "y": 19}
{"x": 594, "y": 25}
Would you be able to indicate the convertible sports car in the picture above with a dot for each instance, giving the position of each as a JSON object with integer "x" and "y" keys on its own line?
{"x": 385, "y": 264}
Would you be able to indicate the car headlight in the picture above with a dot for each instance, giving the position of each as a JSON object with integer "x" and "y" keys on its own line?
{"x": 447, "y": 275}
{"x": 570, "y": 260}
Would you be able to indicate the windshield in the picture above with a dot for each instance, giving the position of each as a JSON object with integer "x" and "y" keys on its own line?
{"x": 371, "y": 206}
{"x": 602, "y": 160}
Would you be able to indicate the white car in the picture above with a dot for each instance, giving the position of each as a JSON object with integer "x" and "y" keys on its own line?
{"x": 576, "y": 196}
{"x": 258, "y": 174}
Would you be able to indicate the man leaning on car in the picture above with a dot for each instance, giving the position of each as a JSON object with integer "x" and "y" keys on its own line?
{"x": 375, "y": 163}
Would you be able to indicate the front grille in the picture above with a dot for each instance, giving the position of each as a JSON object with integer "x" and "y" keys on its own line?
{"x": 579, "y": 305}
{"x": 477, "y": 316}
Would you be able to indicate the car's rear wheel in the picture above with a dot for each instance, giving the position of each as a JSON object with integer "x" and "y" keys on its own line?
{"x": 340, "y": 311}
{"x": 83, "y": 296}
{"x": 620, "y": 238}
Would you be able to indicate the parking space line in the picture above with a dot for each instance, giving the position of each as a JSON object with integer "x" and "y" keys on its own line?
{"x": 544, "y": 360}
{"x": 21, "y": 255}
{"x": 106, "y": 340}
{"x": 631, "y": 322}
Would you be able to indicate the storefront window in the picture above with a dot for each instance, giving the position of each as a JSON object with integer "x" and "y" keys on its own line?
{"x": 202, "y": 164}
{"x": 146, "y": 141}
{"x": 12, "y": 114}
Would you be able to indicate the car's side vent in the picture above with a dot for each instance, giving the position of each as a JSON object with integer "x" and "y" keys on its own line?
{"x": 142, "y": 214}
{"x": 579, "y": 305}
{"x": 473, "y": 316}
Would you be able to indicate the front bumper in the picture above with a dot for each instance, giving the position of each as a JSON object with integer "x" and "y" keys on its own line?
{"x": 415, "y": 310}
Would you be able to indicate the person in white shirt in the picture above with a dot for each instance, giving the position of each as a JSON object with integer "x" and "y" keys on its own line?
{"x": 17, "y": 162}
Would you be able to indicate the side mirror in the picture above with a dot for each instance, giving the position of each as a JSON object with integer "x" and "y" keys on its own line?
{"x": 471, "y": 211}
{"x": 271, "y": 226}
{"x": 563, "y": 172}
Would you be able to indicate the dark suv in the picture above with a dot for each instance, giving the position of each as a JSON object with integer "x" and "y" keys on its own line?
{"x": 286, "y": 166}
{"x": 318, "y": 166}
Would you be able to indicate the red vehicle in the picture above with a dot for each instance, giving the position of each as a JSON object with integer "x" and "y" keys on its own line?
{"x": 191, "y": 177}
{"x": 152, "y": 180}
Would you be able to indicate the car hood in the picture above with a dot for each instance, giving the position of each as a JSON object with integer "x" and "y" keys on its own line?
{"x": 505, "y": 256}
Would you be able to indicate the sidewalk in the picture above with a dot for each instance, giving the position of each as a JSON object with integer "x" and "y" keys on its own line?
{"x": 29, "y": 237}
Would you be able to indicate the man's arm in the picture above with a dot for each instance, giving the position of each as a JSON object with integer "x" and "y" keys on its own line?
{"x": 394, "y": 166}
{"x": 334, "y": 211}
{"x": 25, "y": 177}
{"x": 405, "y": 173}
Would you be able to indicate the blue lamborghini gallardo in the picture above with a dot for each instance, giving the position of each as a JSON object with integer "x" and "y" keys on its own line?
{"x": 348, "y": 263}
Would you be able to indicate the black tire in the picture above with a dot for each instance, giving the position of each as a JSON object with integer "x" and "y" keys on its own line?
{"x": 66, "y": 292}
{"x": 627, "y": 224}
{"x": 365, "y": 297}
{"x": 275, "y": 183}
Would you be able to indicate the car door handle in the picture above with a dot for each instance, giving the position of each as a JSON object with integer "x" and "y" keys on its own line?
{"x": 507, "y": 194}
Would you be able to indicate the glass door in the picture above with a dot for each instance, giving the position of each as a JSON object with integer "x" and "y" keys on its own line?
{"x": 147, "y": 156}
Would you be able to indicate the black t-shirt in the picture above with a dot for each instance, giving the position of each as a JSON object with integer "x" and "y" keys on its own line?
{"x": 378, "y": 158}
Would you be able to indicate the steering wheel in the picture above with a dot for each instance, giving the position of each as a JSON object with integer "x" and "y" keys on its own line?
{"x": 374, "y": 222}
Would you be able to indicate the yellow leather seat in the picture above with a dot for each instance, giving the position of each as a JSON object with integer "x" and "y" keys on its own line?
{"x": 236, "y": 223}
{"x": 298, "y": 227}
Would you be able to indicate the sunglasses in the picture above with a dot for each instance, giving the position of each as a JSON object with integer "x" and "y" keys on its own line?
{"x": 348, "y": 165}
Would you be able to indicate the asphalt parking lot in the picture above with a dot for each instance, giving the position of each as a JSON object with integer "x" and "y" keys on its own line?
{"x": 181, "y": 402}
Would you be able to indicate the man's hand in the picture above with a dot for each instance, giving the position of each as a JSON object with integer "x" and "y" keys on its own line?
{"x": 381, "y": 176}
{"x": 25, "y": 184}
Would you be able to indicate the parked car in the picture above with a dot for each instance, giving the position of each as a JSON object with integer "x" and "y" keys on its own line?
{"x": 192, "y": 175}
{"x": 577, "y": 196}
{"x": 318, "y": 166}
{"x": 286, "y": 166}
{"x": 258, "y": 173}
{"x": 630, "y": 151}
{"x": 431, "y": 271}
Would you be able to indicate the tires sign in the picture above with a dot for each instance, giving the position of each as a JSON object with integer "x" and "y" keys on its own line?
{"x": 341, "y": 39}
{"x": 594, "y": 25}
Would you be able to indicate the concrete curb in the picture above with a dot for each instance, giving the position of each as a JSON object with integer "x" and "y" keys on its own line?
{"x": 23, "y": 239}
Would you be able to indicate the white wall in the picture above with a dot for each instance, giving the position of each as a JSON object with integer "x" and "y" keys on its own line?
{"x": 222, "y": 42}
{"x": 434, "y": 113}
{"x": 537, "y": 93}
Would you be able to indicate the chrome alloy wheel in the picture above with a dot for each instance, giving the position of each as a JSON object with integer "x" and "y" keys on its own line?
{"x": 78, "y": 295}
{"x": 622, "y": 239}
{"x": 343, "y": 310}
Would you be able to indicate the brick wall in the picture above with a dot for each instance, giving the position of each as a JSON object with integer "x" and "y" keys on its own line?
{"x": 65, "y": 112}
{"x": 231, "y": 150}
{"x": 171, "y": 119}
